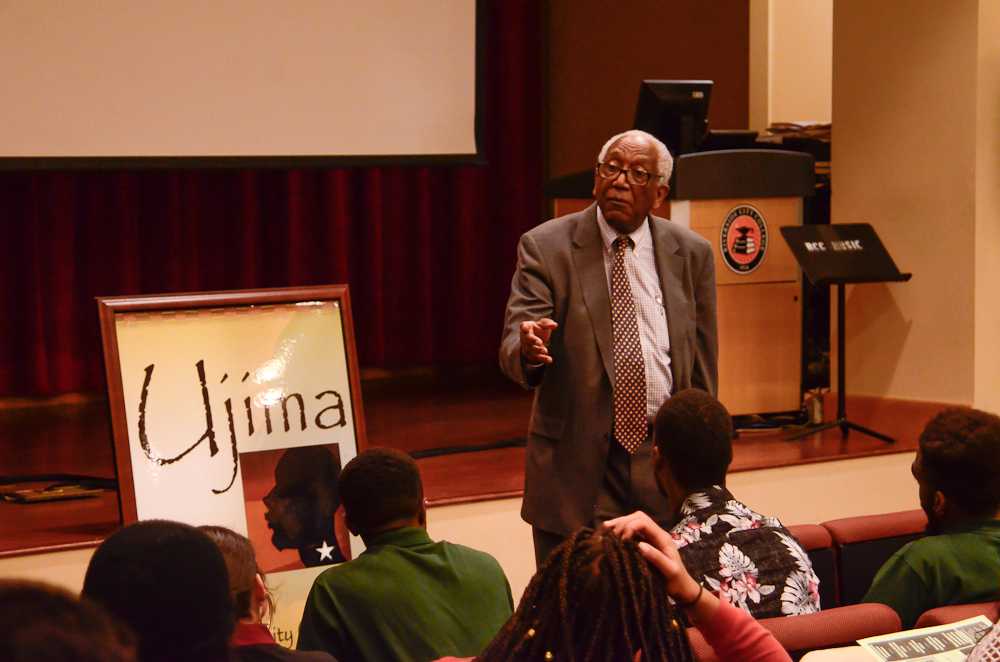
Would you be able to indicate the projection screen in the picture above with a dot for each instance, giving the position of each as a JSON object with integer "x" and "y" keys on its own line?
{"x": 237, "y": 78}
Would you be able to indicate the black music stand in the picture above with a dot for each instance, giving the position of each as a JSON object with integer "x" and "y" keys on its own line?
{"x": 837, "y": 255}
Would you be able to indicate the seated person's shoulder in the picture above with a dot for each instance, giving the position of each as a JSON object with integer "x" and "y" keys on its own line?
{"x": 774, "y": 546}
{"x": 932, "y": 550}
{"x": 472, "y": 557}
{"x": 348, "y": 577}
{"x": 912, "y": 564}
{"x": 936, "y": 545}
{"x": 923, "y": 547}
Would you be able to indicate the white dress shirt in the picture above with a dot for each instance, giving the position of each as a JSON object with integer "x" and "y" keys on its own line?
{"x": 643, "y": 279}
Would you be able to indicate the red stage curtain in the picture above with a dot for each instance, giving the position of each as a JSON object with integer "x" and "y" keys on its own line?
{"x": 428, "y": 251}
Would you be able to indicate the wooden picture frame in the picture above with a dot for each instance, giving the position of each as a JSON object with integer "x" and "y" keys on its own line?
{"x": 170, "y": 325}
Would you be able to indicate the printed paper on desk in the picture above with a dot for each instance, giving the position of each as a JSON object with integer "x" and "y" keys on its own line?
{"x": 941, "y": 643}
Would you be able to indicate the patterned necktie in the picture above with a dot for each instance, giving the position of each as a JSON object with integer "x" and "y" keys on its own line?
{"x": 630, "y": 371}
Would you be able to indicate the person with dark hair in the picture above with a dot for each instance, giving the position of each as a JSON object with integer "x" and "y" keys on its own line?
{"x": 406, "y": 597}
{"x": 302, "y": 506}
{"x": 167, "y": 581}
{"x": 957, "y": 469}
{"x": 749, "y": 558}
{"x": 593, "y": 599}
{"x": 597, "y": 598}
{"x": 42, "y": 622}
{"x": 252, "y": 603}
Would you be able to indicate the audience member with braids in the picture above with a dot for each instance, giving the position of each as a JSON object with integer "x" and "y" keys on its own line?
{"x": 594, "y": 598}
{"x": 597, "y": 598}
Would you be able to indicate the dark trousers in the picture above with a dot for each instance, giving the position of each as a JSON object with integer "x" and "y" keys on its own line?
{"x": 619, "y": 495}
{"x": 545, "y": 542}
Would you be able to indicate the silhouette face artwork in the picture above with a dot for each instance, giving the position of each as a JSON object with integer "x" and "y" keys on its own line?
{"x": 300, "y": 507}
{"x": 287, "y": 516}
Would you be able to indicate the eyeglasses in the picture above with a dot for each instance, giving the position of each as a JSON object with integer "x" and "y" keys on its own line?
{"x": 634, "y": 176}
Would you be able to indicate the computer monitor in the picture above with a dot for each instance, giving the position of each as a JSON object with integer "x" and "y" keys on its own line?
{"x": 675, "y": 111}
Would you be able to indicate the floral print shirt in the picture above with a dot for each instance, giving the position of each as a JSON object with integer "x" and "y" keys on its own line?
{"x": 749, "y": 558}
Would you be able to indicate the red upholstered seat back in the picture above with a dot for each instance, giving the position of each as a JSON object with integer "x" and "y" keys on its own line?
{"x": 841, "y": 626}
{"x": 818, "y": 544}
{"x": 952, "y": 613}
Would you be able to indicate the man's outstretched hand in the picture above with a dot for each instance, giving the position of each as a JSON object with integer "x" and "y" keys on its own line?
{"x": 534, "y": 341}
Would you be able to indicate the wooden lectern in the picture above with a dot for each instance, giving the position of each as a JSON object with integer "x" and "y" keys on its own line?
{"x": 737, "y": 199}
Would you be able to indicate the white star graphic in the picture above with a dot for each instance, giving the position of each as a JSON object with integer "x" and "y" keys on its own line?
{"x": 325, "y": 552}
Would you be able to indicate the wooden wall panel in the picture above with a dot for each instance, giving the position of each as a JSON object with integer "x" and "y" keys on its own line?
{"x": 598, "y": 52}
{"x": 760, "y": 347}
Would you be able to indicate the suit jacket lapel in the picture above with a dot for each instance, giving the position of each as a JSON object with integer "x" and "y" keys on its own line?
{"x": 671, "y": 267}
{"x": 588, "y": 257}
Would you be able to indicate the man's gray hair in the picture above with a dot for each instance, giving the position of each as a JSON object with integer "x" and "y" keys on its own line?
{"x": 664, "y": 162}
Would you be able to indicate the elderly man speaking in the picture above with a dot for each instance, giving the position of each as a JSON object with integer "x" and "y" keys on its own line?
{"x": 611, "y": 310}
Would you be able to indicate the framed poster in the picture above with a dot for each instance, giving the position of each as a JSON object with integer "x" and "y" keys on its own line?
{"x": 239, "y": 409}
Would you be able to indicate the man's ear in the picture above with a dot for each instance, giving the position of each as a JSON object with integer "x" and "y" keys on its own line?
{"x": 661, "y": 473}
{"x": 660, "y": 464}
{"x": 662, "y": 191}
{"x": 422, "y": 515}
{"x": 940, "y": 503}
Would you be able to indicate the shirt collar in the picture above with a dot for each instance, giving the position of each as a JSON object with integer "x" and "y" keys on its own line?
{"x": 251, "y": 634}
{"x": 609, "y": 234}
{"x": 988, "y": 524}
{"x": 408, "y": 536}
{"x": 710, "y": 497}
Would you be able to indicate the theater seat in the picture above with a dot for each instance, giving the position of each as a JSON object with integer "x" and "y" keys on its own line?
{"x": 952, "y": 613}
{"x": 864, "y": 543}
{"x": 819, "y": 546}
{"x": 840, "y": 626}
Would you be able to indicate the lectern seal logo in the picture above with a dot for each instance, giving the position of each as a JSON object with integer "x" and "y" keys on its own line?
{"x": 743, "y": 239}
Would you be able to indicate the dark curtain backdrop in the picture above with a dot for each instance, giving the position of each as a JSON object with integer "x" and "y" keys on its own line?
{"x": 427, "y": 251}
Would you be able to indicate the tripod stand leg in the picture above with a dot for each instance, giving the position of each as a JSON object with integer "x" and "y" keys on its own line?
{"x": 841, "y": 421}
{"x": 813, "y": 429}
{"x": 871, "y": 433}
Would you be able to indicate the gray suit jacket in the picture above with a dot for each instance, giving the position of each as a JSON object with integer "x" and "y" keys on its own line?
{"x": 561, "y": 275}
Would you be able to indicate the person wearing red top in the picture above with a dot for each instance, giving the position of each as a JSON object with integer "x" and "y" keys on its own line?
{"x": 251, "y": 640}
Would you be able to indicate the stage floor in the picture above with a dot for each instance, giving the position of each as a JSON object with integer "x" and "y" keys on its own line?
{"x": 415, "y": 413}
